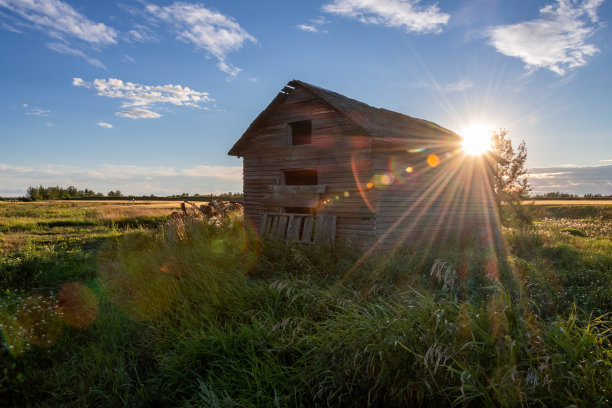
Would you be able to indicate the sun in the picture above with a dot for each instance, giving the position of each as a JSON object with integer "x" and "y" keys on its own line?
{"x": 476, "y": 138}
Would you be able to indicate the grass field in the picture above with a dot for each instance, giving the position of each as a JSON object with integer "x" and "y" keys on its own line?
{"x": 569, "y": 202}
{"x": 113, "y": 304}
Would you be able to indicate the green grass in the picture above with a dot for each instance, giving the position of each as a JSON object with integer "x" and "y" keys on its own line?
{"x": 193, "y": 314}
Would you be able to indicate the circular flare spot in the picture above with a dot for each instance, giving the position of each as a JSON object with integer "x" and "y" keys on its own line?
{"x": 370, "y": 185}
{"x": 433, "y": 160}
{"x": 77, "y": 304}
{"x": 346, "y": 194}
{"x": 385, "y": 179}
{"x": 409, "y": 169}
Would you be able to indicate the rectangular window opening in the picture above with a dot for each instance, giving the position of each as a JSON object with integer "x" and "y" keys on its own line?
{"x": 301, "y": 132}
{"x": 301, "y": 177}
{"x": 301, "y": 210}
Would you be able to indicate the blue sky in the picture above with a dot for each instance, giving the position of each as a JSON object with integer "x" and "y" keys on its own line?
{"x": 148, "y": 96}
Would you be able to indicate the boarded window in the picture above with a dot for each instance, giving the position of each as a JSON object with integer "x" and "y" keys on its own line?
{"x": 301, "y": 132}
{"x": 301, "y": 177}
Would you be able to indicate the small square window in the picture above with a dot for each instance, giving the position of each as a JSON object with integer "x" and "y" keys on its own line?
{"x": 301, "y": 177}
{"x": 301, "y": 132}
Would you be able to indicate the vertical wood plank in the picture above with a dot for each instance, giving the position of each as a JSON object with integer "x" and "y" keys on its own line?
{"x": 274, "y": 225}
{"x": 290, "y": 227}
{"x": 263, "y": 225}
{"x": 282, "y": 226}
{"x": 308, "y": 227}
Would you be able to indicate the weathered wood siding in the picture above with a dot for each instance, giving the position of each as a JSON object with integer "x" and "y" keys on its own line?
{"x": 340, "y": 152}
{"x": 431, "y": 202}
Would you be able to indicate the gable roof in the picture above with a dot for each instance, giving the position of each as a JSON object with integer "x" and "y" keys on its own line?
{"x": 377, "y": 122}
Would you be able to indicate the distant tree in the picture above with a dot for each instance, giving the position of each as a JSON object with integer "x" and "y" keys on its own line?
{"x": 32, "y": 194}
{"x": 510, "y": 175}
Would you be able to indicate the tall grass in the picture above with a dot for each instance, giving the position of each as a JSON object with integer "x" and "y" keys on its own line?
{"x": 202, "y": 314}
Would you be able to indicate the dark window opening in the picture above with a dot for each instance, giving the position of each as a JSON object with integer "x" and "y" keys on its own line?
{"x": 301, "y": 132}
{"x": 301, "y": 178}
{"x": 301, "y": 210}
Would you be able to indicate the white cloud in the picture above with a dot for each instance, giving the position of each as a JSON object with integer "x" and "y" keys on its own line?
{"x": 314, "y": 25}
{"x": 309, "y": 28}
{"x": 142, "y": 34}
{"x": 64, "y": 49}
{"x": 143, "y": 96}
{"x": 18, "y": 169}
{"x": 105, "y": 125}
{"x": 575, "y": 180}
{"x": 205, "y": 29}
{"x": 547, "y": 175}
{"x": 59, "y": 20}
{"x": 392, "y": 13}
{"x": 36, "y": 111}
{"x": 130, "y": 179}
{"x": 128, "y": 58}
{"x": 138, "y": 113}
{"x": 230, "y": 173}
{"x": 9, "y": 27}
{"x": 556, "y": 41}
{"x": 50, "y": 124}
{"x": 459, "y": 86}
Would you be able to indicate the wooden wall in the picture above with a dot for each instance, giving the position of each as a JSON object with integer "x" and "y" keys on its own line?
{"x": 432, "y": 202}
{"x": 339, "y": 151}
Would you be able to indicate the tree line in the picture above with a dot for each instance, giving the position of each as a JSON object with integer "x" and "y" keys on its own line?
{"x": 41, "y": 193}
{"x": 60, "y": 193}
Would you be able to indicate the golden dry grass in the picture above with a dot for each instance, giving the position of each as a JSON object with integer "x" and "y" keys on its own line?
{"x": 569, "y": 202}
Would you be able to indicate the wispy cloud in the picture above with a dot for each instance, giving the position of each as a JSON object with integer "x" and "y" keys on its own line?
{"x": 141, "y": 33}
{"x": 130, "y": 179}
{"x": 138, "y": 113}
{"x": 59, "y": 20}
{"x": 17, "y": 169}
{"x": 105, "y": 125}
{"x": 309, "y": 28}
{"x": 556, "y": 41}
{"x": 9, "y": 27}
{"x": 36, "y": 111}
{"x": 64, "y": 49}
{"x": 314, "y": 25}
{"x": 459, "y": 86}
{"x": 405, "y": 14}
{"x": 138, "y": 96}
{"x": 206, "y": 29}
{"x": 575, "y": 180}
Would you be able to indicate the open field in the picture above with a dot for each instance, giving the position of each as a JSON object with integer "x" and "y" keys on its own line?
{"x": 569, "y": 202}
{"x": 113, "y": 304}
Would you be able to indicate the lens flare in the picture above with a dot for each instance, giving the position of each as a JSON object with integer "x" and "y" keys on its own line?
{"x": 77, "y": 305}
{"x": 433, "y": 160}
{"x": 386, "y": 179}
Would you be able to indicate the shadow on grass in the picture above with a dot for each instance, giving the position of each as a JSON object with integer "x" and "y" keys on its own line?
{"x": 45, "y": 269}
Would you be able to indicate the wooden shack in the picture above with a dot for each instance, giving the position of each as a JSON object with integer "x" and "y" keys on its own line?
{"x": 317, "y": 164}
